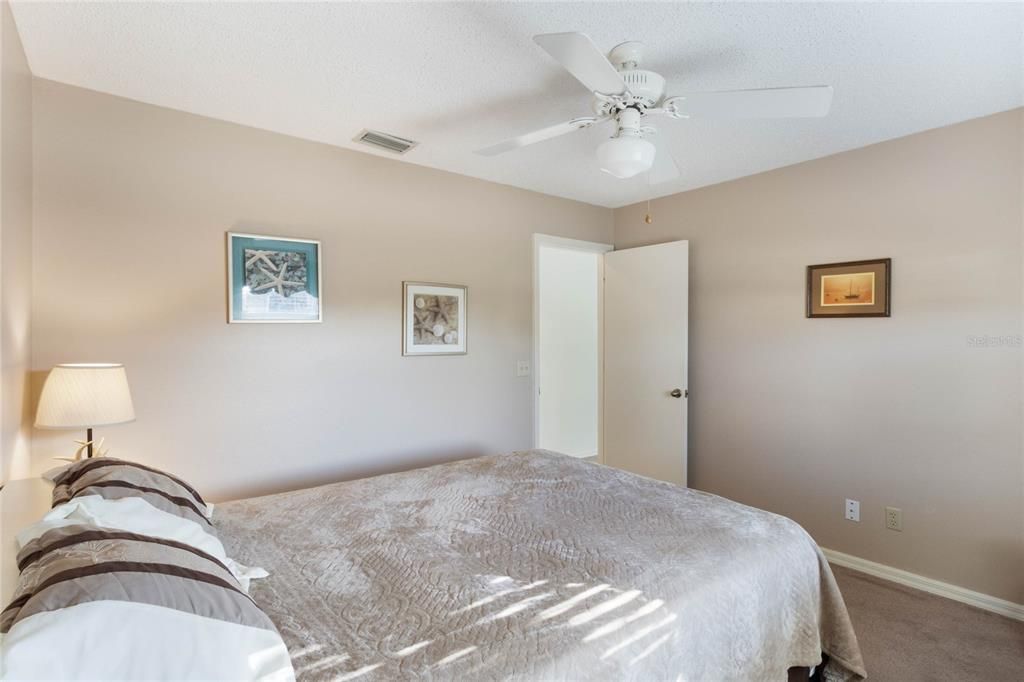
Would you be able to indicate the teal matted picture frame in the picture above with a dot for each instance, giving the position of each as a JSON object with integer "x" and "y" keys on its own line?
{"x": 273, "y": 279}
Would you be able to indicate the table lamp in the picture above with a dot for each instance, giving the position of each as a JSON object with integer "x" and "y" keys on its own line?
{"x": 84, "y": 396}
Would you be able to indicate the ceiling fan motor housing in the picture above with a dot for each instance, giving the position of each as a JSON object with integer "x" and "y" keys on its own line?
{"x": 645, "y": 91}
{"x": 646, "y": 86}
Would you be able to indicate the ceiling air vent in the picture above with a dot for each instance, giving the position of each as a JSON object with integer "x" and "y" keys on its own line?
{"x": 391, "y": 143}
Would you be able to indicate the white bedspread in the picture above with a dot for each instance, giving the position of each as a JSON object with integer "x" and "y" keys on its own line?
{"x": 536, "y": 566}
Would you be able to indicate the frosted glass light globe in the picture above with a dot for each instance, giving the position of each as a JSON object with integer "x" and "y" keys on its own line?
{"x": 625, "y": 156}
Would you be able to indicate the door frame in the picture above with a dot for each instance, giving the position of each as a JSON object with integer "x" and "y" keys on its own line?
{"x": 547, "y": 240}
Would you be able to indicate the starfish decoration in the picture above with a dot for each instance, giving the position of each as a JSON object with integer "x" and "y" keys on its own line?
{"x": 440, "y": 314}
{"x": 278, "y": 281}
{"x": 260, "y": 256}
{"x": 98, "y": 450}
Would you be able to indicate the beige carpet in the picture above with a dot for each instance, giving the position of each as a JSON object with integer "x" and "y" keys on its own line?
{"x": 907, "y": 635}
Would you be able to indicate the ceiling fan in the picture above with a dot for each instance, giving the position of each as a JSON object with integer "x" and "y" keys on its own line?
{"x": 628, "y": 95}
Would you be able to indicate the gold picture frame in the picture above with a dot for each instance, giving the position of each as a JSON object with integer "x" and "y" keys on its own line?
{"x": 859, "y": 288}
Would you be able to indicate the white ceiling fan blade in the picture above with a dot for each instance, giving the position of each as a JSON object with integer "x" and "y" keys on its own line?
{"x": 809, "y": 102}
{"x": 580, "y": 57}
{"x": 540, "y": 135}
{"x": 664, "y": 167}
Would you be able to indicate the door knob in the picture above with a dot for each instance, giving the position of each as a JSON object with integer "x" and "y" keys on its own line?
{"x": 676, "y": 393}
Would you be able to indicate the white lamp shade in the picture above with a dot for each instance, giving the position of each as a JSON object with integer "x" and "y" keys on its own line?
{"x": 84, "y": 396}
{"x": 625, "y": 156}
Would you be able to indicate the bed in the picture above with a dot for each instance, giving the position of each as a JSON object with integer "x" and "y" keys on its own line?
{"x": 537, "y": 566}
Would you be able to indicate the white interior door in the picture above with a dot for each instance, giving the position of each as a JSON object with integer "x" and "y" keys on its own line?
{"x": 645, "y": 348}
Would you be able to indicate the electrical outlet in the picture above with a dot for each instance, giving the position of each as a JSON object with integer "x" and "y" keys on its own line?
{"x": 523, "y": 368}
{"x": 853, "y": 510}
{"x": 894, "y": 518}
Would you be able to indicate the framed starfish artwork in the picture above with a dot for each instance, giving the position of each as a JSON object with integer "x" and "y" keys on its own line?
{"x": 273, "y": 279}
{"x": 433, "y": 319}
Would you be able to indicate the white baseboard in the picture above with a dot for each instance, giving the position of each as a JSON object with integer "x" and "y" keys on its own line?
{"x": 919, "y": 582}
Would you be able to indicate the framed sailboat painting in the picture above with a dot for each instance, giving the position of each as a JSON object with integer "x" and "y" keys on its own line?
{"x": 852, "y": 289}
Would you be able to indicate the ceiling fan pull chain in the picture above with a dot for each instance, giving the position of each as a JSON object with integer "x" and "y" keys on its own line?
{"x": 648, "y": 218}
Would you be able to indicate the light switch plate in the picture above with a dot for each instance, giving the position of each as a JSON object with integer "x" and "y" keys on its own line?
{"x": 523, "y": 368}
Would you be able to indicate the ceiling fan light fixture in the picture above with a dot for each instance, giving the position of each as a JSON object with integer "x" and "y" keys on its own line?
{"x": 629, "y": 95}
{"x": 625, "y": 156}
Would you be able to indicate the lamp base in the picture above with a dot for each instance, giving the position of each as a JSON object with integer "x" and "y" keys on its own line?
{"x": 89, "y": 447}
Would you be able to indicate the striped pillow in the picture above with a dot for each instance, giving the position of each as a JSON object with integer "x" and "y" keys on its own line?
{"x": 105, "y": 588}
{"x": 114, "y": 479}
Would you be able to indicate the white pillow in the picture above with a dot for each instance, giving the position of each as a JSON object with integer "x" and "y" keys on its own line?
{"x": 83, "y": 611}
{"x": 135, "y": 515}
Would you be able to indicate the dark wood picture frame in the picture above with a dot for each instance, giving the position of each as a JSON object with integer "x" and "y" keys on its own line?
{"x": 815, "y": 272}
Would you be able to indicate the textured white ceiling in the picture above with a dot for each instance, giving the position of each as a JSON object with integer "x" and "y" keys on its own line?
{"x": 460, "y": 76}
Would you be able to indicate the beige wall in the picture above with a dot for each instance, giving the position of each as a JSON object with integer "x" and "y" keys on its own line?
{"x": 794, "y": 415}
{"x": 132, "y": 203}
{"x": 15, "y": 247}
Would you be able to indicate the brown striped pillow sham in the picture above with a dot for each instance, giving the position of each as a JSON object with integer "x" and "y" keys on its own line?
{"x": 115, "y": 479}
{"x": 98, "y": 603}
{"x": 76, "y": 564}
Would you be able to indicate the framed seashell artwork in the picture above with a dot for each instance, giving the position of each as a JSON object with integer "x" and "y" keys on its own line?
{"x": 434, "y": 319}
{"x": 273, "y": 279}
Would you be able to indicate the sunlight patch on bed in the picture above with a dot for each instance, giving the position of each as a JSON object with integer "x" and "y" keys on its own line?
{"x": 456, "y": 656}
{"x": 516, "y": 608}
{"x": 638, "y": 635}
{"x": 613, "y": 625}
{"x": 358, "y": 673}
{"x": 561, "y": 608}
{"x": 413, "y": 648}
{"x": 305, "y": 651}
{"x": 498, "y": 595}
{"x": 604, "y": 607}
{"x": 322, "y": 663}
{"x": 650, "y": 649}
